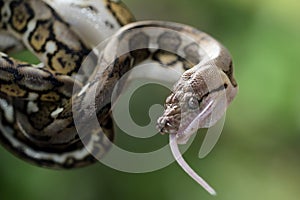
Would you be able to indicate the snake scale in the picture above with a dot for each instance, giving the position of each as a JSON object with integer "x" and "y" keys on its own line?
{"x": 37, "y": 101}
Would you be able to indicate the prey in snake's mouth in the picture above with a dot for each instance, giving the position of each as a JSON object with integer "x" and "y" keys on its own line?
{"x": 180, "y": 132}
{"x": 198, "y": 100}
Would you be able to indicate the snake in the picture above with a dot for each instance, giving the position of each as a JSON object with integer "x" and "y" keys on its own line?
{"x": 38, "y": 102}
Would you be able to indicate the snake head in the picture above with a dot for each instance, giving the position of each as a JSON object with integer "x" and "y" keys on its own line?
{"x": 198, "y": 100}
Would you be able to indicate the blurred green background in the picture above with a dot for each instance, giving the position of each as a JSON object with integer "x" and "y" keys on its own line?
{"x": 257, "y": 156}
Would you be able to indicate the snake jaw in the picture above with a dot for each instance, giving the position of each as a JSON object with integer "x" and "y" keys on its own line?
{"x": 168, "y": 122}
{"x": 181, "y": 108}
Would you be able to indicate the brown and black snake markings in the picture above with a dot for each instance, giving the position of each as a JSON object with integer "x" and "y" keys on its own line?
{"x": 31, "y": 94}
{"x": 21, "y": 14}
{"x": 120, "y": 11}
{"x": 38, "y": 107}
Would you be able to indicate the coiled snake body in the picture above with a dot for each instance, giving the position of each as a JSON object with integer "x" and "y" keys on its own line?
{"x": 37, "y": 102}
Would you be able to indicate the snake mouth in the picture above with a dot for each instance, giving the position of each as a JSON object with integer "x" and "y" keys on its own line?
{"x": 184, "y": 124}
{"x": 168, "y": 125}
{"x": 169, "y": 122}
{"x": 184, "y": 121}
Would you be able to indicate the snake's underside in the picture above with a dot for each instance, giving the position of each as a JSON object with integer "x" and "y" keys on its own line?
{"x": 38, "y": 102}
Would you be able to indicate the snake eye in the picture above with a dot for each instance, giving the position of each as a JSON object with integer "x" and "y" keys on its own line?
{"x": 193, "y": 103}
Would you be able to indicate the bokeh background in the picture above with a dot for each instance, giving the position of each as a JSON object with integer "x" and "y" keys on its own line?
{"x": 257, "y": 156}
